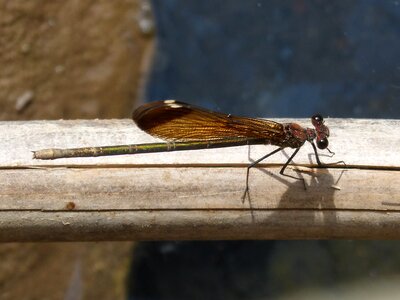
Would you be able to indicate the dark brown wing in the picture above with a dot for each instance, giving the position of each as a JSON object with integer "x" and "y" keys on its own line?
{"x": 177, "y": 121}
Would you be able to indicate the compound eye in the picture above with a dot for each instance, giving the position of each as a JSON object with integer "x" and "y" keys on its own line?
{"x": 317, "y": 119}
{"x": 322, "y": 143}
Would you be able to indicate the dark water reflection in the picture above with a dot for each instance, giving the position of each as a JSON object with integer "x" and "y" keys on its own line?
{"x": 287, "y": 58}
{"x": 280, "y": 58}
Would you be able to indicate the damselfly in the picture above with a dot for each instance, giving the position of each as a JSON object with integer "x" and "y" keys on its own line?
{"x": 187, "y": 127}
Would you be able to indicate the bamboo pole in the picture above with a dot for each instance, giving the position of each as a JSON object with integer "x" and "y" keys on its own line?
{"x": 196, "y": 194}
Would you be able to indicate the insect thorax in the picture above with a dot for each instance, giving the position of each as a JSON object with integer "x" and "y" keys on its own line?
{"x": 295, "y": 135}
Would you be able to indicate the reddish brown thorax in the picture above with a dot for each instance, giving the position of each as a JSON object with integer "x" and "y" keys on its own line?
{"x": 296, "y": 135}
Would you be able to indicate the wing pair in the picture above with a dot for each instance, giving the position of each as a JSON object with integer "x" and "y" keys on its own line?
{"x": 177, "y": 121}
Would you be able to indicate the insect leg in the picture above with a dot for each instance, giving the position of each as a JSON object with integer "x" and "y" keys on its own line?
{"x": 252, "y": 165}
{"x": 320, "y": 164}
{"x": 287, "y": 163}
{"x": 316, "y": 154}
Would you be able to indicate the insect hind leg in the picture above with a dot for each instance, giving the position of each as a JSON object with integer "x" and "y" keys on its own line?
{"x": 282, "y": 171}
{"x": 246, "y": 192}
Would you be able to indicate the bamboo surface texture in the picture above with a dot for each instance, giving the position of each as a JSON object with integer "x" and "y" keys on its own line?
{"x": 197, "y": 194}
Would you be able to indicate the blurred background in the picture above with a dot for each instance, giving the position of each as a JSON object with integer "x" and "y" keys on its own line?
{"x": 286, "y": 58}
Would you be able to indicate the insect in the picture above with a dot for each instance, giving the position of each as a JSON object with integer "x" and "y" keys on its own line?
{"x": 187, "y": 127}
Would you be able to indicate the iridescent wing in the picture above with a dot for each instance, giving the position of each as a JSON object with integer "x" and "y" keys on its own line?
{"x": 177, "y": 121}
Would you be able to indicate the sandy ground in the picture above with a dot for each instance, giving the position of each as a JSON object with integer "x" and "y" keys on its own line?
{"x": 70, "y": 59}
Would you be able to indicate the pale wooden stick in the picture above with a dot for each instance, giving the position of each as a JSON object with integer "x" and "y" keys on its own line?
{"x": 195, "y": 194}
